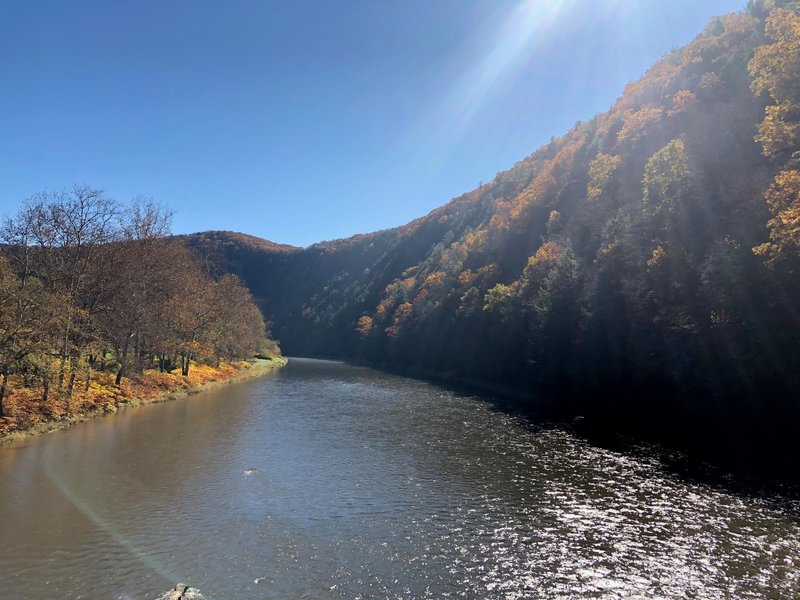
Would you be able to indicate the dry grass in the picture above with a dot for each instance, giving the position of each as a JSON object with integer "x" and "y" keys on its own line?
{"x": 26, "y": 412}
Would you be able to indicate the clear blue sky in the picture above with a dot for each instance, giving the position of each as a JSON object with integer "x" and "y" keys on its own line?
{"x": 301, "y": 120}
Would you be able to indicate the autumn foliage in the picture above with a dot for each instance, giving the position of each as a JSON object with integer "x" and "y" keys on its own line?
{"x": 641, "y": 269}
{"x": 98, "y": 304}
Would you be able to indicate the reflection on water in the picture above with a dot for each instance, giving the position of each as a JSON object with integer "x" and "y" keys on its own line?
{"x": 331, "y": 481}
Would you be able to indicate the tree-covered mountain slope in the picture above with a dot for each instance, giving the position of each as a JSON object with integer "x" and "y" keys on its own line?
{"x": 640, "y": 270}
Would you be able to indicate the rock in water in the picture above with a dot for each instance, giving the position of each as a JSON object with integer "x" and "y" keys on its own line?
{"x": 181, "y": 592}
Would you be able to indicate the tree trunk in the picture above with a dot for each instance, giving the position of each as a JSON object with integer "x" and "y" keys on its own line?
{"x": 62, "y": 369}
{"x": 137, "y": 349}
{"x": 73, "y": 368}
{"x": 88, "y": 376}
{"x": 123, "y": 360}
{"x": 65, "y": 347}
{"x": 45, "y": 389}
{"x": 185, "y": 360}
{"x": 91, "y": 360}
{"x": 3, "y": 388}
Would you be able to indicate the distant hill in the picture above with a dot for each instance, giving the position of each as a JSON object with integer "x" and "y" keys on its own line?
{"x": 222, "y": 247}
{"x": 640, "y": 270}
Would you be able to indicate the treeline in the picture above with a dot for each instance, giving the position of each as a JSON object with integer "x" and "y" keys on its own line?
{"x": 640, "y": 270}
{"x": 87, "y": 284}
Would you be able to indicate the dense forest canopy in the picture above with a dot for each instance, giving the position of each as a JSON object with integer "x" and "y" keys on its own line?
{"x": 641, "y": 269}
{"x": 89, "y": 285}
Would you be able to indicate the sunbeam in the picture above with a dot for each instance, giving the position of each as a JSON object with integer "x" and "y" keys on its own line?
{"x": 526, "y": 28}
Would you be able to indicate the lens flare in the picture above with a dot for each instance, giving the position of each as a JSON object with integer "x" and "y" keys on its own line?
{"x": 527, "y": 27}
{"x": 107, "y": 526}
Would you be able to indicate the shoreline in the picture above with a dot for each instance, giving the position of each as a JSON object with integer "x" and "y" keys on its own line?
{"x": 256, "y": 368}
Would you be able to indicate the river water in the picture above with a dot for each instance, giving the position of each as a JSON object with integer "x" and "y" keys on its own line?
{"x": 330, "y": 481}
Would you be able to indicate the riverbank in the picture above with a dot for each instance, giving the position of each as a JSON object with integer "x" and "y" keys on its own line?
{"x": 29, "y": 417}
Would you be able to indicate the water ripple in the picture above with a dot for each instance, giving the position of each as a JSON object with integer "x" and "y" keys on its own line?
{"x": 330, "y": 481}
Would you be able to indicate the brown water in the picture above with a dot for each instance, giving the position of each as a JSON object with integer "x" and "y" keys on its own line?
{"x": 331, "y": 481}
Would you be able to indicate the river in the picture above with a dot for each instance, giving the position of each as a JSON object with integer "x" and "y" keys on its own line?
{"x": 325, "y": 480}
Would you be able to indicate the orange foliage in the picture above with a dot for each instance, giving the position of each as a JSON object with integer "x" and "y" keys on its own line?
{"x": 420, "y": 301}
{"x": 783, "y": 200}
{"x": 26, "y": 409}
{"x": 601, "y": 171}
{"x": 639, "y": 123}
{"x": 475, "y": 241}
{"x": 466, "y": 278}
{"x": 434, "y": 280}
{"x": 402, "y": 313}
{"x": 408, "y": 283}
{"x": 682, "y": 102}
{"x": 553, "y": 172}
{"x": 383, "y": 308}
{"x": 548, "y": 253}
{"x": 365, "y": 325}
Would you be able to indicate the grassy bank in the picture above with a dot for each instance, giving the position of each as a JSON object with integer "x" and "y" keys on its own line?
{"x": 29, "y": 416}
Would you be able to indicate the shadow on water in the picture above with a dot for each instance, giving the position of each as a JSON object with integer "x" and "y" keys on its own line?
{"x": 777, "y": 485}
{"x": 334, "y": 481}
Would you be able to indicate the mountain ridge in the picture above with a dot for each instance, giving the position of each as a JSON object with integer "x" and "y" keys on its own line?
{"x": 645, "y": 258}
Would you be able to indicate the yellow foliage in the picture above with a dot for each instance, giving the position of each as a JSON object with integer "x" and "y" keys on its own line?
{"x": 475, "y": 241}
{"x": 486, "y": 272}
{"x": 638, "y": 123}
{"x": 777, "y": 132}
{"x": 609, "y": 250}
{"x": 666, "y": 178}
{"x": 776, "y": 71}
{"x": 650, "y": 87}
{"x": 552, "y": 172}
{"x": 601, "y": 170}
{"x": 500, "y": 299}
{"x": 775, "y": 66}
{"x": 103, "y": 396}
{"x": 659, "y": 254}
{"x": 543, "y": 183}
{"x": 682, "y": 102}
{"x": 783, "y": 200}
{"x": 709, "y": 84}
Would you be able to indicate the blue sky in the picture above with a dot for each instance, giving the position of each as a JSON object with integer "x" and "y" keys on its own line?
{"x": 301, "y": 120}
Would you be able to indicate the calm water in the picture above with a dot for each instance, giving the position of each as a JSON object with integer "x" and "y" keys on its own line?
{"x": 331, "y": 481}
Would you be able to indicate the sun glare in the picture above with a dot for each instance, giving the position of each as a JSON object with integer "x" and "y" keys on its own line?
{"x": 529, "y": 25}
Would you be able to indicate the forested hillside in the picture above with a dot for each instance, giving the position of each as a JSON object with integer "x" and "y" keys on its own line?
{"x": 640, "y": 270}
{"x": 93, "y": 294}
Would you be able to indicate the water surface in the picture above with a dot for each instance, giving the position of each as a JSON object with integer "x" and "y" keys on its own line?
{"x": 331, "y": 481}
